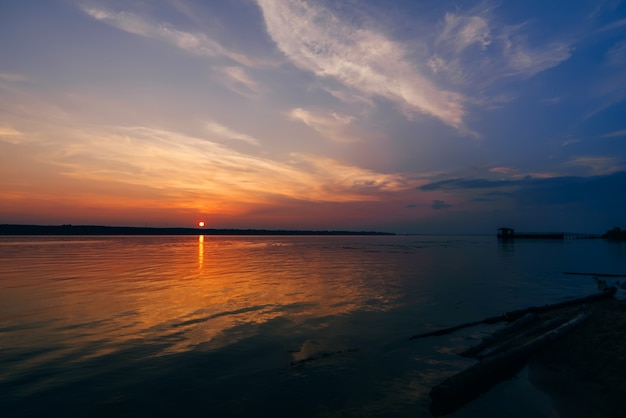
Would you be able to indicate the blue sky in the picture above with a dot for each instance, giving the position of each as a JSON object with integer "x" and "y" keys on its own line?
{"x": 418, "y": 117}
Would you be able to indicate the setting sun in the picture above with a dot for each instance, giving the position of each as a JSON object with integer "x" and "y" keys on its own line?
{"x": 201, "y": 224}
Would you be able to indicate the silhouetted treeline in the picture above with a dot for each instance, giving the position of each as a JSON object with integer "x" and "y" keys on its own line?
{"x": 130, "y": 230}
{"x": 616, "y": 234}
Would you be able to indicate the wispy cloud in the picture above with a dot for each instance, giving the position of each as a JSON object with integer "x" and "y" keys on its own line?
{"x": 461, "y": 183}
{"x": 13, "y": 78}
{"x": 612, "y": 86}
{"x": 239, "y": 81}
{"x": 597, "y": 165}
{"x": 475, "y": 49}
{"x": 350, "y": 97}
{"x": 203, "y": 170}
{"x": 504, "y": 170}
{"x": 361, "y": 59}
{"x": 331, "y": 125}
{"x": 469, "y": 50}
{"x": 567, "y": 194}
{"x": 10, "y": 135}
{"x": 227, "y": 133}
{"x": 615, "y": 134}
{"x": 613, "y": 25}
{"x": 551, "y": 100}
{"x": 463, "y": 31}
{"x": 571, "y": 141}
{"x": 527, "y": 62}
{"x": 616, "y": 55}
{"x": 341, "y": 179}
{"x": 194, "y": 43}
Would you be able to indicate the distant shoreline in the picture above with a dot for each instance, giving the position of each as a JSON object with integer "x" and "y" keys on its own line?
{"x": 133, "y": 230}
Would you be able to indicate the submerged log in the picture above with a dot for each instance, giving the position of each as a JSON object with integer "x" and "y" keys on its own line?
{"x": 525, "y": 321}
{"x": 507, "y": 350}
{"x": 504, "y": 344}
{"x": 444, "y": 331}
{"x": 517, "y": 314}
{"x": 465, "y": 386}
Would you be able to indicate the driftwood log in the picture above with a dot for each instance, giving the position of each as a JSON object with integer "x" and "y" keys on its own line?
{"x": 488, "y": 341}
{"x": 515, "y": 315}
{"x": 458, "y": 390}
{"x": 507, "y": 350}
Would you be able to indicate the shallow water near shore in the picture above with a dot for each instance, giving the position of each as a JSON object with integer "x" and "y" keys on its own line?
{"x": 267, "y": 325}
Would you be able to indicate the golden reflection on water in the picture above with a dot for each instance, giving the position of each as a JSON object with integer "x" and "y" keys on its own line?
{"x": 200, "y": 251}
{"x": 111, "y": 293}
{"x": 64, "y": 300}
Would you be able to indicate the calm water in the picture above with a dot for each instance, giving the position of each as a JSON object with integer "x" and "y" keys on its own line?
{"x": 266, "y": 326}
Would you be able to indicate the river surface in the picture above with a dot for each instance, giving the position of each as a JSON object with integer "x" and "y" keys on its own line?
{"x": 240, "y": 326}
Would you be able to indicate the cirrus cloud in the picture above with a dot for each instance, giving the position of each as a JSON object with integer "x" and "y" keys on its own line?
{"x": 332, "y": 126}
{"x": 361, "y": 59}
{"x": 194, "y": 43}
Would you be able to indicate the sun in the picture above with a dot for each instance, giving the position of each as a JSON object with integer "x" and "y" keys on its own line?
{"x": 201, "y": 224}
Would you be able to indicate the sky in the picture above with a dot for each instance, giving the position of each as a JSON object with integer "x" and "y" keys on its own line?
{"x": 425, "y": 116}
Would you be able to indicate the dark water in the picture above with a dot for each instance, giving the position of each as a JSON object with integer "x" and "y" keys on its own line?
{"x": 266, "y": 326}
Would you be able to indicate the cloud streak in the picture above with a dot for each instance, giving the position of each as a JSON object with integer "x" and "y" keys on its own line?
{"x": 454, "y": 184}
{"x": 463, "y": 31}
{"x": 317, "y": 41}
{"x": 13, "y": 78}
{"x": 195, "y": 43}
{"x": 535, "y": 191}
{"x": 597, "y": 165}
{"x": 528, "y": 62}
{"x": 615, "y": 134}
{"x": 227, "y": 133}
{"x": 331, "y": 126}
{"x": 10, "y": 135}
{"x": 181, "y": 164}
{"x": 475, "y": 50}
{"x": 317, "y": 110}
{"x": 239, "y": 81}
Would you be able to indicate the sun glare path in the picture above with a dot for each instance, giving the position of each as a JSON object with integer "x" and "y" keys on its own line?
{"x": 200, "y": 251}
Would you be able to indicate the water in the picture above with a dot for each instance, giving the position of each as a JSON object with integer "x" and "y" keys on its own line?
{"x": 266, "y": 326}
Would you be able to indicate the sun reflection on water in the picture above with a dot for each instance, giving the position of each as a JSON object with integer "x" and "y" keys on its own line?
{"x": 117, "y": 292}
{"x": 200, "y": 251}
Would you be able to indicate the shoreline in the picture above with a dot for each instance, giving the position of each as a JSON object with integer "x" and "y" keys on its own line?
{"x": 571, "y": 355}
{"x": 584, "y": 372}
{"x": 25, "y": 230}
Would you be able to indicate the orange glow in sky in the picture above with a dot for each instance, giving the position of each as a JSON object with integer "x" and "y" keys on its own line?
{"x": 428, "y": 131}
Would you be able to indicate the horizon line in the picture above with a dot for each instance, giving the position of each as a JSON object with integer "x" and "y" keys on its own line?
{"x": 34, "y": 229}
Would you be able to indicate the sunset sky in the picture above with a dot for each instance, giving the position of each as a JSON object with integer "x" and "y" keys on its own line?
{"x": 421, "y": 116}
